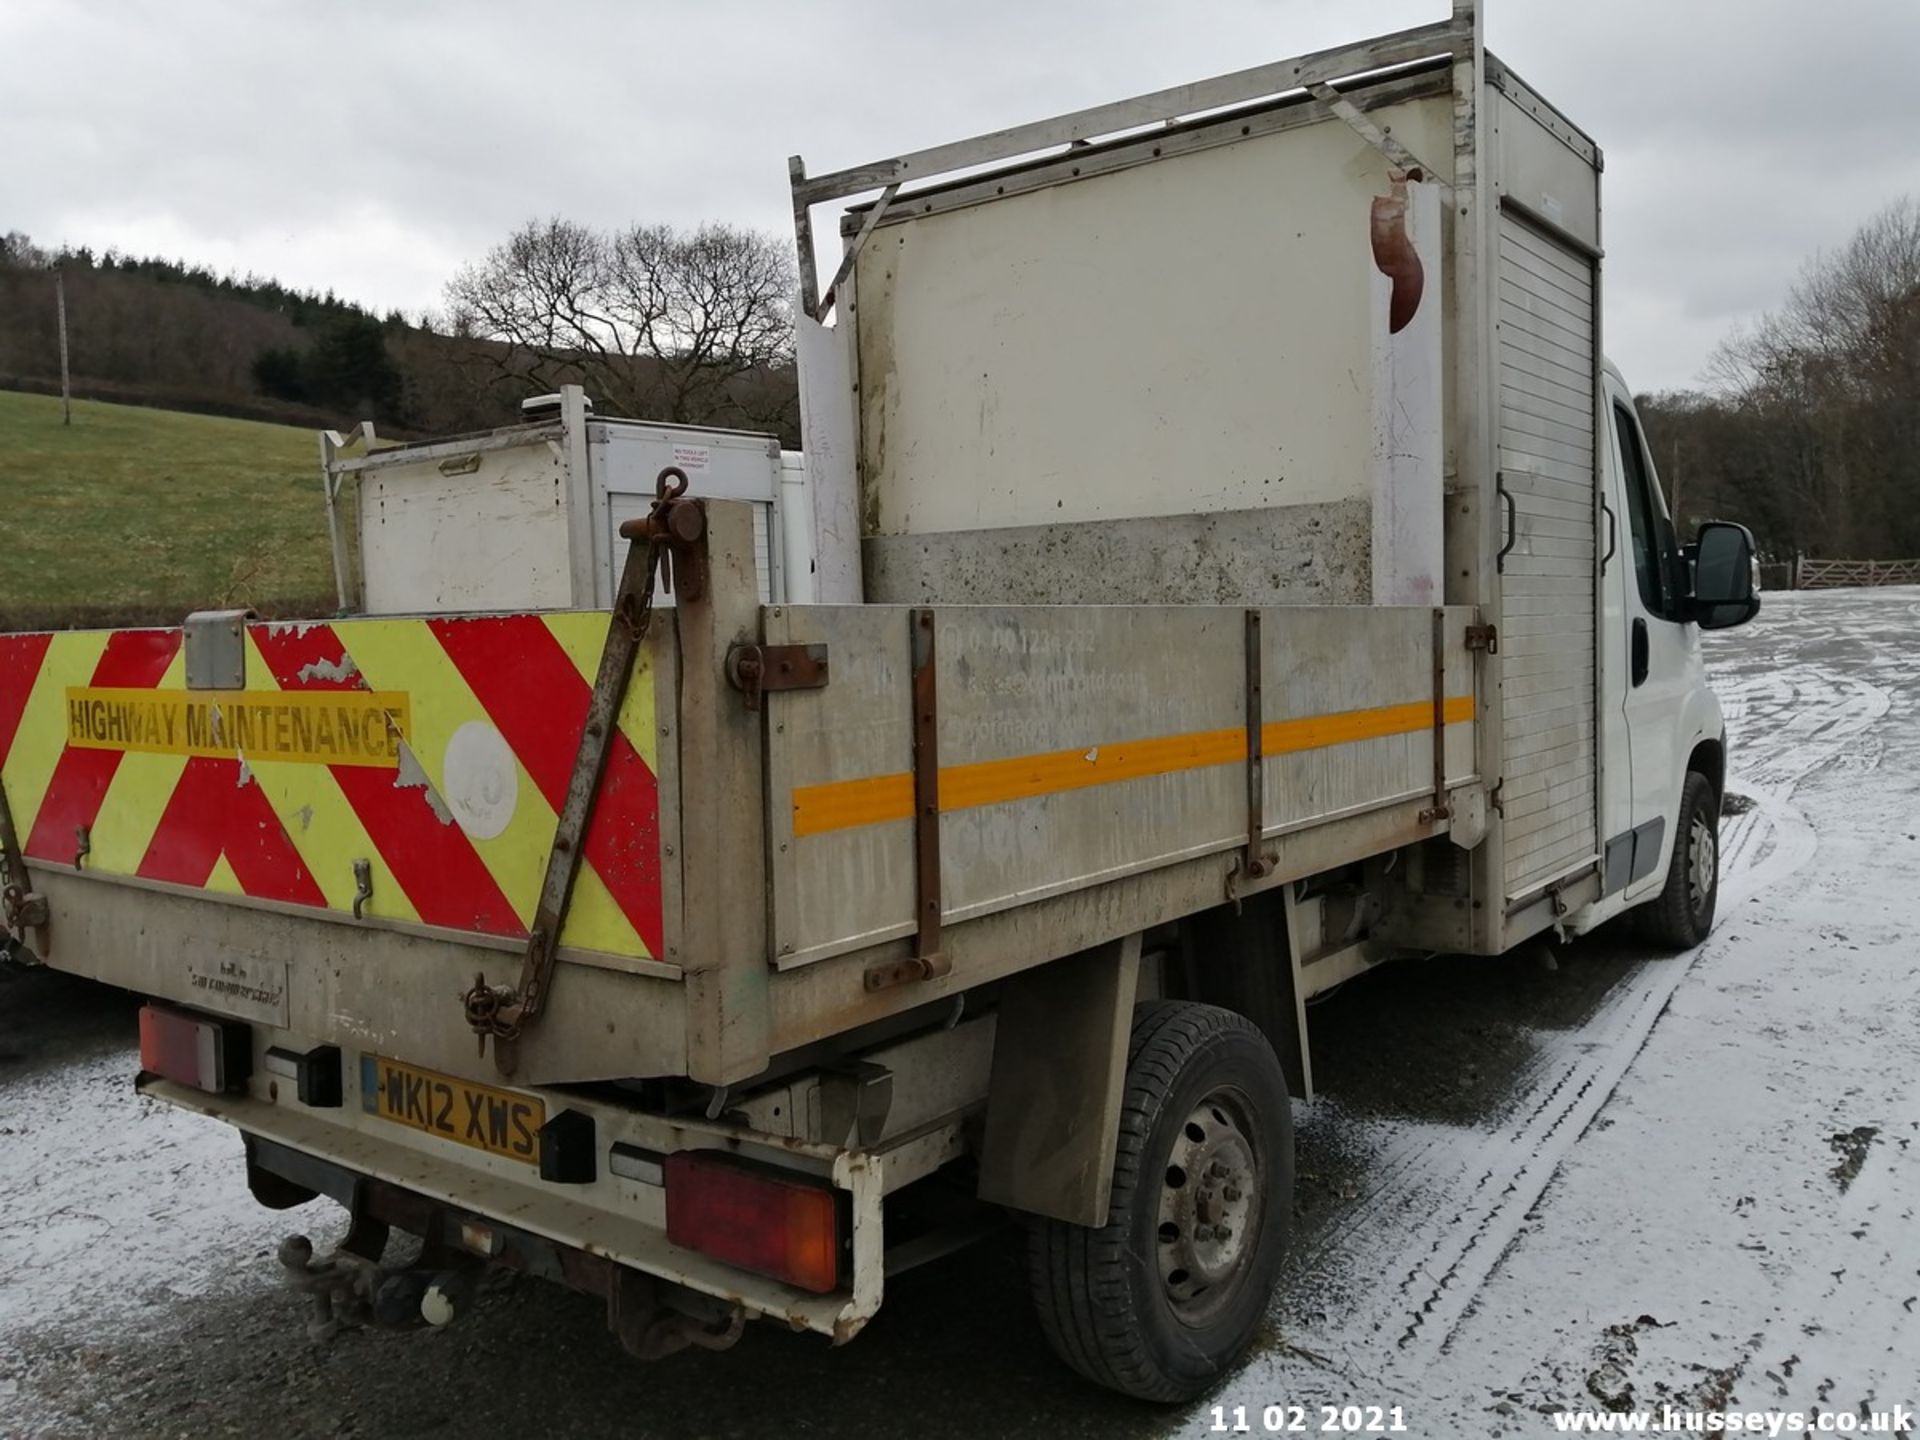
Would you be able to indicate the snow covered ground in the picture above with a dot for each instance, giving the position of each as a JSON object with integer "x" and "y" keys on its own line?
{"x": 1628, "y": 1180}
{"x": 1705, "y": 1195}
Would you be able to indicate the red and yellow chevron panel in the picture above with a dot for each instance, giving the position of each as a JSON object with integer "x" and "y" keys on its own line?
{"x": 438, "y": 751}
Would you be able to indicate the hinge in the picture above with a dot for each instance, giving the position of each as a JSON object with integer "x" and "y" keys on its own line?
{"x": 755, "y": 669}
{"x": 1496, "y": 798}
{"x": 1483, "y": 637}
{"x": 906, "y": 971}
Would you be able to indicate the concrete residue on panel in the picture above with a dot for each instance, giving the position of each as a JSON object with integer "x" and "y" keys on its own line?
{"x": 1315, "y": 554}
{"x": 1407, "y": 371}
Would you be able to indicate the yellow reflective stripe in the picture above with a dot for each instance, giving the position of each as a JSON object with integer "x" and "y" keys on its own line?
{"x": 309, "y": 726}
{"x": 875, "y": 799}
{"x": 1283, "y": 737}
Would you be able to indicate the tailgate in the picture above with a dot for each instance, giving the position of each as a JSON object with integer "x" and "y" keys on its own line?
{"x": 402, "y": 771}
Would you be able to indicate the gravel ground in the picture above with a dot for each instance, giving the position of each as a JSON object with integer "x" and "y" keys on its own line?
{"x": 1526, "y": 1182}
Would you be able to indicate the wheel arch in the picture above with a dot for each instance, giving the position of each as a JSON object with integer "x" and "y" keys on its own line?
{"x": 1709, "y": 758}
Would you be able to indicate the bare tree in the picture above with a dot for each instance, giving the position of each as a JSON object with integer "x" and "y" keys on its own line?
{"x": 688, "y": 326}
{"x": 1827, "y": 387}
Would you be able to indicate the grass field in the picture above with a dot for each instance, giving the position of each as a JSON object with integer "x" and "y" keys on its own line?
{"x": 138, "y": 515}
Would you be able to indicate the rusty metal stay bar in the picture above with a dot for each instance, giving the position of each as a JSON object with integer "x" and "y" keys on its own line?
{"x": 1255, "y": 863}
{"x": 665, "y": 545}
{"x": 929, "y": 958}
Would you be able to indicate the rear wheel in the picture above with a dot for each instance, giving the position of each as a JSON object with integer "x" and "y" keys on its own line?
{"x": 1681, "y": 916}
{"x": 1160, "y": 1301}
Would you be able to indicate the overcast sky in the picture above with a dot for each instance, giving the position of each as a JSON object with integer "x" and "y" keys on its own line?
{"x": 372, "y": 146}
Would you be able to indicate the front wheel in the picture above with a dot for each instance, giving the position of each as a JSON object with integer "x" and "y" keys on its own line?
{"x": 1682, "y": 914}
{"x": 1160, "y": 1301}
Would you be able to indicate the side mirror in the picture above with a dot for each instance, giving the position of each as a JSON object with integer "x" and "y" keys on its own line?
{"x": 1723, "y": 576}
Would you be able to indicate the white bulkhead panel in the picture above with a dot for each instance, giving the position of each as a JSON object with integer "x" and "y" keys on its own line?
{"x": 1072, "y": 354}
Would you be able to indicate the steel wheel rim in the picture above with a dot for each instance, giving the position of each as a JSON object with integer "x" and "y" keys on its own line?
{"x": 1212, "y": 1193}
{"x": 1702, "y": 868}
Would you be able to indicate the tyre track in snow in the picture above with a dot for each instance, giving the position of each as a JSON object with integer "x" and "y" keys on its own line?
{"x": 1445, "y": 1202}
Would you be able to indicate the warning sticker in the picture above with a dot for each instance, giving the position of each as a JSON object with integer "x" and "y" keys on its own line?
{"x": 344, "y": 727}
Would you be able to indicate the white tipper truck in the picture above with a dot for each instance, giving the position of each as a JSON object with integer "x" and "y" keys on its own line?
{"x": 1229, "y": 563}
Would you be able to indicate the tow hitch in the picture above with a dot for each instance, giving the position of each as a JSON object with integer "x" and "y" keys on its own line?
{"x": 462, "y": 1255}
{"x": 349, "y": 1291}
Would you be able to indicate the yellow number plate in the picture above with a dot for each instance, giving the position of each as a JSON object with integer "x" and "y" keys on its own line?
{"x": 499, "y": 1122}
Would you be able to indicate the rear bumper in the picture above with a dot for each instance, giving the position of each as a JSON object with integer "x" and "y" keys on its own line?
{"x": 586, "y": 1230}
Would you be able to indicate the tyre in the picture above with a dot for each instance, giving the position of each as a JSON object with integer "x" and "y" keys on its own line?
{"x": 1682, "y": 914}
{"x": 1160, "y": 1301}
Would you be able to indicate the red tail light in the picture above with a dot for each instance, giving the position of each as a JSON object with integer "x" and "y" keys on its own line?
{"x": 210, "y": 1055}
{"x": 769, "y": 1224}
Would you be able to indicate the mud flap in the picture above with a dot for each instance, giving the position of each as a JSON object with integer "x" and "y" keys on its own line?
{"x": 1059, "y": 1074}
{"x": 1243, "y": 959}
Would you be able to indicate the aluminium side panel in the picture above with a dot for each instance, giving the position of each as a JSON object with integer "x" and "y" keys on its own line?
{"x": 1080, "y": 745}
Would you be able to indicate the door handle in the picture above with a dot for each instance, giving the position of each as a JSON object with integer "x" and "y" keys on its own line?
{"x": 1639, "y": 651}
{"x": 1513, "y": 523}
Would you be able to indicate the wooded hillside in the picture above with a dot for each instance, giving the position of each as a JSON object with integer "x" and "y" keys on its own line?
{"x": 164, "y": 333}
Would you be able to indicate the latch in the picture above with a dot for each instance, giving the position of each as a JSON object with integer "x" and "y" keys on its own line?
{"x": 216, "y": 646}
{"x": 755, "y": 669}
{"x": 1483, "y": 637}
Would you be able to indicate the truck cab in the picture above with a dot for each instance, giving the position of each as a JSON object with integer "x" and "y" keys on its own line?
{"x": 1660, "y": 720}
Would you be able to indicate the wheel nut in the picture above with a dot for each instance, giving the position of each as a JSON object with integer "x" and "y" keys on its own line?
{"x": 1203, "y": 1232}
{"x": 1221, "y": 1232}
{"x": 1232, "y": 1192}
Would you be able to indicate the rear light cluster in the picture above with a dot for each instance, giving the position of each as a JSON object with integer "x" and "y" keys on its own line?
{"x": 211, "y": 1055}
{"x": 756, "y": 1219}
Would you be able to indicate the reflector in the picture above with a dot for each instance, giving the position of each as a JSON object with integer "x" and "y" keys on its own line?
{"x": 208, "y": 1054}
{"x": 768, "y": 1223}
